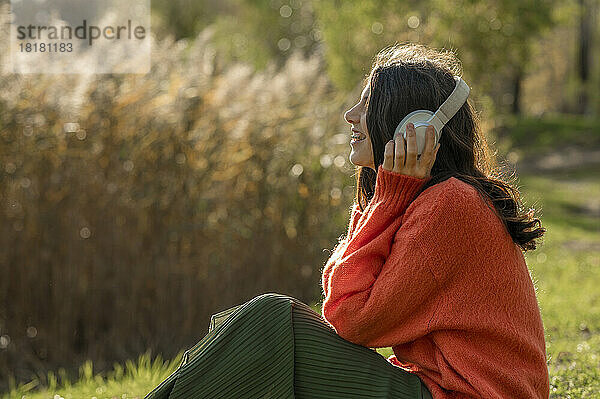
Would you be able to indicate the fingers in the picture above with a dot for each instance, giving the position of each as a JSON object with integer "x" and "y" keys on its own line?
{"x": 388, "y": 155}
{"x": 428, "y": 149}
{"x": 411, "y": 147}
{"x": 399, "y": 153}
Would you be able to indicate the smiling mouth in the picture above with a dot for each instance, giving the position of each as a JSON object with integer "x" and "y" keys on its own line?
{"x": 357, "y": 136}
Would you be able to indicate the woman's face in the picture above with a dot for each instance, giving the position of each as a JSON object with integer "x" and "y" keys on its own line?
{"x": 362, "y": 152}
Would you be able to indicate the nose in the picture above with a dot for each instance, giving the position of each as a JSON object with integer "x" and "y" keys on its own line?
{"x": 351, "y": 117}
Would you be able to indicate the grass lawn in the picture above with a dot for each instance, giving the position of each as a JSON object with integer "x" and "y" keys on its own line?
{"x": 565, "y": 269}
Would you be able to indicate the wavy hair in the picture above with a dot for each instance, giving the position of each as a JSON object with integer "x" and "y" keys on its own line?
{"x": 407, "y": 77}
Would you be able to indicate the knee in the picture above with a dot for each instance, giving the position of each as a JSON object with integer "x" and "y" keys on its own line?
{"x": 269, "y": 299}
{"x": 275, "y": 299}
{"x": 272, "y": 297}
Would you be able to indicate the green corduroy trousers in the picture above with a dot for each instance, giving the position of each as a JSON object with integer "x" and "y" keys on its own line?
{"x": 275, "y": 346}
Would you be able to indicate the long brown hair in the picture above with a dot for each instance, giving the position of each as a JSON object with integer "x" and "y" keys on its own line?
{"x": 407, "y": 77}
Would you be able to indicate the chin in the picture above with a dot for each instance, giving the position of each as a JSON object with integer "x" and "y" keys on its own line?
{"x": 357, "y": 160}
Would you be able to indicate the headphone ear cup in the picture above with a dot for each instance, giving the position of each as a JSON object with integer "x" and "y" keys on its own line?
{"x": 418, "y": 118}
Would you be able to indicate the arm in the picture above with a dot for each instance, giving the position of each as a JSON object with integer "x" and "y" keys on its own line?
{"x": 355, "y": 214}
{"x": 357, "y": 217}
{"x": 381, "y": 288}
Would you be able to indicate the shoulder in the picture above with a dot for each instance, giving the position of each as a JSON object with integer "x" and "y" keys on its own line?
{"x": 450, "y": 191}
{"x": 450, "y": 221}
{"x": 454, "y": 204}
{"x": 451, "y": 187}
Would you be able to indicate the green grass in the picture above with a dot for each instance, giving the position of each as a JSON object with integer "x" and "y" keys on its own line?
{"x": 133, "y": 380}
{"x": 565, "y": 270}
{"x": 539, "y": 135}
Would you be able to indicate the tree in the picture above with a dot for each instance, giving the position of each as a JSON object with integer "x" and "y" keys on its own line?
{"x": 491, "y": 36}
{"x": 584, "y": 59}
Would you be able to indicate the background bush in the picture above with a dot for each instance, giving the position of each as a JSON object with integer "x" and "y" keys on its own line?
{"x": 135, "y": 206}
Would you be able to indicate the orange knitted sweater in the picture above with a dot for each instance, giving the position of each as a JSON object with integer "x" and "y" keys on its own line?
{"x": 439, "y": 279}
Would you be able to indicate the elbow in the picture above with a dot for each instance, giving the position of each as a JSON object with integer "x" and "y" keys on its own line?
{"x": 345, "y": 325}
{"x": 352, "y": 334}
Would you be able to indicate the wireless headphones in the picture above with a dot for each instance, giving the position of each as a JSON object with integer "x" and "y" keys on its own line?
{"x": 421, "y": 118}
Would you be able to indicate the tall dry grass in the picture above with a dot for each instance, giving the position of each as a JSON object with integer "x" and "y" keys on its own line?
{"x": 135, "y": 206}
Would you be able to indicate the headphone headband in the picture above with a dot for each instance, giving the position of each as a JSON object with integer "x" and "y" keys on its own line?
{"x": 421, "y": 118}
{"x": 451, "y": 106}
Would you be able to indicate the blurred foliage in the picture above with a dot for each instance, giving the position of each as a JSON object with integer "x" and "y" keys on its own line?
{"x": 487, "y": 36}
{"x": 186, "y": 18}
{"x": 261, "y": 31}
{"x": 255, "y": 31}
{"x": 167, "y": 196}
{"x": 499, "y": 41}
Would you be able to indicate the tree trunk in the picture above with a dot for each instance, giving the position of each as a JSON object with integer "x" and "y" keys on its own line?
{"x": 516, "y": 105}
{"x": 583, "y": 65}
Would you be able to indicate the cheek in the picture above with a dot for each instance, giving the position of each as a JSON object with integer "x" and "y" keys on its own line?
{"x": 363, "y": 122}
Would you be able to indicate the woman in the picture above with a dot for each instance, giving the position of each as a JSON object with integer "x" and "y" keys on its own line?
{"x": 431, "y": 265}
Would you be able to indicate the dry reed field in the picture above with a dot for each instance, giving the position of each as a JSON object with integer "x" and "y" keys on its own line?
{"x": 134, "y": 206}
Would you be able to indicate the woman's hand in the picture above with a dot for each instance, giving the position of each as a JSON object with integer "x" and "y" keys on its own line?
{"x": 394, "y": 158}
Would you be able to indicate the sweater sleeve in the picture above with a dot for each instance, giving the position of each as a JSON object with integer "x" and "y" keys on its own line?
{"x": 381, "y": 287}
{"x": 355, "y": 215}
